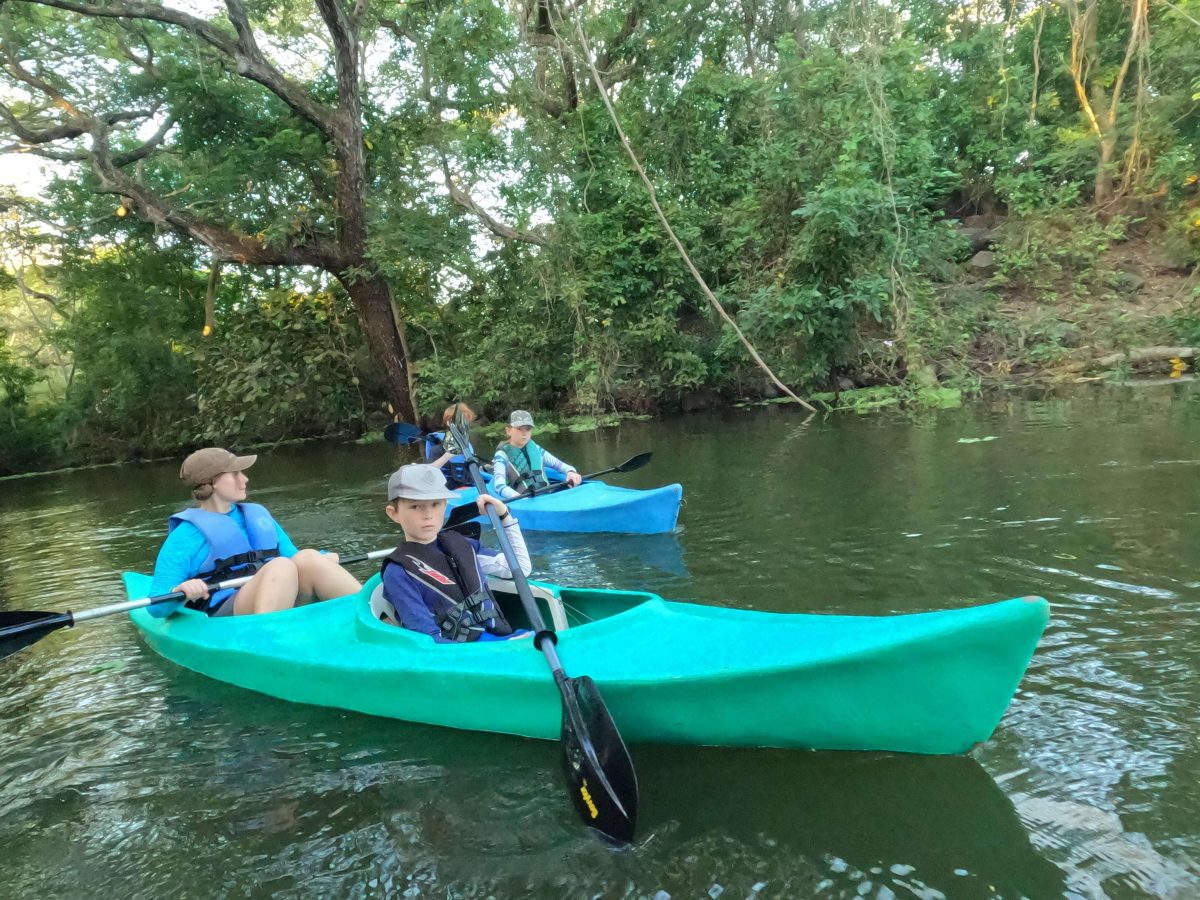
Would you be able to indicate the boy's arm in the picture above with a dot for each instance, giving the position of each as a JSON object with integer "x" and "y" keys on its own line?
{"x": 500, "y": 477}
{"x": 405, "y": 596}
{"x": 550, "y": 461}
{"x": 492, "y": 562}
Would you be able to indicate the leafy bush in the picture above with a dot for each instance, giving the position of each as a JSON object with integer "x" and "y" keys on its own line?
{"x": 282, "y": 366}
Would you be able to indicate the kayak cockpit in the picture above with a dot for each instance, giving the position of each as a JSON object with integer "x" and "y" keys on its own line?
{"x": 562, "y": 608}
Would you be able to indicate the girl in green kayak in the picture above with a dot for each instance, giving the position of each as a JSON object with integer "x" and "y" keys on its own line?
{"x": 224, "y": 537}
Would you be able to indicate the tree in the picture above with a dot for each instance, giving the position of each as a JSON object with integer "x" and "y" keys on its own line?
{"x": 151, "y": 99}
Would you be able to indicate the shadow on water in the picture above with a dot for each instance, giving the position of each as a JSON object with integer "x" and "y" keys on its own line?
{"x": 901, "y": 820}
{"x": 911, "y": 823}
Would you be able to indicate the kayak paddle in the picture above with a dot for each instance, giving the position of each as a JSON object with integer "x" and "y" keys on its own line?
{"x": 21, "y": 628}
{"x": 466, "y": 512}
{"x": 402, "y": 433}
{"x": 596, "y": 762}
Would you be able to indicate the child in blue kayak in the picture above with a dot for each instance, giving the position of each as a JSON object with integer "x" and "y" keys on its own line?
{"x": 437, "y": 580}
{"x": 440, "y": 453}
{"x": 520, "y": 464}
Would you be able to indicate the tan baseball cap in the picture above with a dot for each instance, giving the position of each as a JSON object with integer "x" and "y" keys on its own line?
{"x": 203, "y": 466}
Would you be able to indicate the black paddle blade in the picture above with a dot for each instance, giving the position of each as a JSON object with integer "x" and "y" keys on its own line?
{"x": 472, "y": 530}
{"x": 460, "y": 515}
{"x": 636, "y": 462}
{"x": 21, "y": 628}
{"x": 596, "y": 762}
{"x": 401, "y": 433}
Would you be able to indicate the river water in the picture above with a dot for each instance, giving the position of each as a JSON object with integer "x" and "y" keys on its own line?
{"x": 122, "y": 775}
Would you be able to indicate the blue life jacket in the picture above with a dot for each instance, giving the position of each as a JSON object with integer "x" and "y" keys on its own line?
{"x": 456, "y": 472}
{"x": 232, "y": 553}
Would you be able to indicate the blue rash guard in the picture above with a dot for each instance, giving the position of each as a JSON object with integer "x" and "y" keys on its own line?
{"x": 184, "y": 552}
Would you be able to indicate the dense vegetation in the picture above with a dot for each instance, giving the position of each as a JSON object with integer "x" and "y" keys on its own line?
{"x": 282, "y": 220}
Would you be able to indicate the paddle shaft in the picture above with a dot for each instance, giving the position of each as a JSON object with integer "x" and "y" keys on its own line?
{"x": 518, "y": 577}
{"x": 596, "y": 762}
{"x": 52, "y": 621}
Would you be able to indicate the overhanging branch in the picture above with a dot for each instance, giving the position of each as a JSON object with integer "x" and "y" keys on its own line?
{"x": 244, "y": 54}
{"x": 466, "y": 201}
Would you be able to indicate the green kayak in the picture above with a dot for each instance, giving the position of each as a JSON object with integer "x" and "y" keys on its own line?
{"x": 670, "y": 672}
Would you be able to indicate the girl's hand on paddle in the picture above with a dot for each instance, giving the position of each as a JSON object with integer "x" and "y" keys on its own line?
{"x": 194, "y": 589}
{"x": 574, "y": 478}
{"x": 486, "y": 500}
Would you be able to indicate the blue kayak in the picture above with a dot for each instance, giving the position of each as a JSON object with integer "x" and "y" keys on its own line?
{"x": 594, "y": 506}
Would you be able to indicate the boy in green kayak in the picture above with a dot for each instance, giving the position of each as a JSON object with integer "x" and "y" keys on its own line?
{"x": 520, "y": 464}
{"x": 437, "y": 580}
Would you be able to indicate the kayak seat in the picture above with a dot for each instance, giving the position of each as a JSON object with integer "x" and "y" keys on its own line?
{"x": 549, "y": 601}
{"x": 381, "y": 609}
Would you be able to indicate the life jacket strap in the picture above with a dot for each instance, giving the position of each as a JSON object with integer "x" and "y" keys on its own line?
{"x": 251, "y": 559}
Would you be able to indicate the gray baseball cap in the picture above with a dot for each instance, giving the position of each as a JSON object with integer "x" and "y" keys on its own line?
{"x": 418, "y": 482}
{"x": 520, "y": 417}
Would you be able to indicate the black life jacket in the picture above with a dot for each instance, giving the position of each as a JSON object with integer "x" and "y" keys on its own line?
{"x": 464, "y": 607}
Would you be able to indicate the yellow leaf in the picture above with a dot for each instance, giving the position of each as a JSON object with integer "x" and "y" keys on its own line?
{"x": 122, "y": 212}
{"x": 206, "y": 331}
{"x": 367, "y": 141}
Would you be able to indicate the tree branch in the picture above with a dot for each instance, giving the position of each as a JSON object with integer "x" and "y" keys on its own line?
{"x": 244, "y": 54}
{"x": 226, "y": 243}
{"x": 633, "y": 19}
{"x": 78, "y": 127}
{"x": 129, "y": 156}
{"x": 466, "y": 201}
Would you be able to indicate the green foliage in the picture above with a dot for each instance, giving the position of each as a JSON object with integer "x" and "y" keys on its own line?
{"x": 15, "y": 377}
{"x": 1057, "y": 250}
{"x": 1184, "y": 324}
{"x": 139, "y": 304}
{"x": 812, "y": 159}
{"x": 27, "y": 435}
{"x": 281, "y": 367}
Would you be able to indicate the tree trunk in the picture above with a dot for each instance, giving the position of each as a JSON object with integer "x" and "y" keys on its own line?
{"x": 373, "y": 303}
{"x": 1104, "y": 168}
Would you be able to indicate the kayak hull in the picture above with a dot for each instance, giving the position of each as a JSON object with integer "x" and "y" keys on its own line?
{"x": 669, "y": 672}
{"x": 595, "y": 507}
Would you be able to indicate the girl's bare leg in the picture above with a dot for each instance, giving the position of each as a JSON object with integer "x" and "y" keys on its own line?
{"x": 320, "y": 578}
{"x": 273, "y": 587}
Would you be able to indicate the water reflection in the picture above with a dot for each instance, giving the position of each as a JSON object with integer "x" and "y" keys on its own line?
{"x": 608, "y": 560}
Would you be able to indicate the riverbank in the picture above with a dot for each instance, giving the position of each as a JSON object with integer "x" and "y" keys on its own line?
{"x": 1040, "y": 306}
